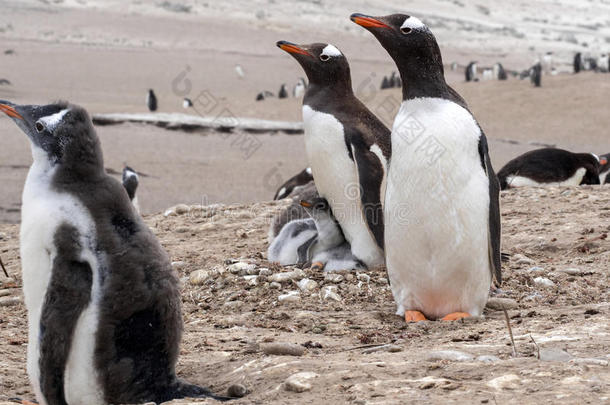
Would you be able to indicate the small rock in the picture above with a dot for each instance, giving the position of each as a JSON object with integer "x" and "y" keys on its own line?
{"x": 333, "y": 278}
{"x": 452, "y": 355}
{"x": 497, "y": 304}
{"x": 263, "y": 271}
{"x": 241, "y": 268}
{"x": 181, "y": 209}
{"x": 287, "y": 276}
{"x": 543, "y": 282}
{"x": 300, "y": 382}
{"x": 365, "y": 278}
{"x": 178, "y": 265}
{"x": 522, "y": 259}
{"x": 487, "y": 359}
{"x": 590, "y": 361}
{"x": 4, "y": 293}
{"x": 9, "y": 301}
{"x": 275, "y": 285}
{"x": 570, "y": 271}
{"x": 199, "y": 277}
{"x": 505, "y": 382}
{"x": 330, "y": 293}
{"x": 533, "y": 296}
{"x": 536, "y": 269}
{"x": 182, "y": 229}
{"x": 237, "y": 391}
{"x": 290, "y": 296}
{"x": 307, "y": 285}
{"x": 554, "y": 355}
{"x": 431, "y": 382}
{"x": 252, "y": 280}
{"x": 383, "y": 348}
{"x": 283, "y": 349}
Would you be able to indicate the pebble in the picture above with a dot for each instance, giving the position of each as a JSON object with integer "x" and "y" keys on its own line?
{"x": 543, "y": 282}
{"x": 522, "y": 259}
{"x": 237, "y": 391}
{"x": 9, "y": 301}
{"x": 497, "y": 303}
{"x": 199, "y": 277}
{"x": 533, "y": 296}
{"x": 570, "y": 272}
{"x": 307, "y": 285}
{"x": 177, "y": 210}
{"x": 263, "y": 271}
{"x": 287, "y": 276}
{"x": 431, "y": 382}
{"x": 365, "y": 278}
{"x": 536, "y": 269}
{"x": 4, "y": 293}
{"x": 487, "y": 359}
{"x": 452, "y": 355}
{"x": 329, "y": 292}
{"x": 252, "y": 280}
{"x": 178, "y": 265}
{"x": 505, "y": 382}
{"x": 283, "y": 349}
{"x": 554, "y": 355}
{"x": 290, "y": 296}
{"x": 590, "y": 361}
{"x": 275, "y": 286}
{"x": 383, "y": 348}
{"x": 241, "y": 267}
{"x": 333, "y": 278}
{"x": 300, "y": 382}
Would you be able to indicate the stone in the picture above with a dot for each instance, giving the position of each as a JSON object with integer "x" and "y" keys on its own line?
{"x": 496, "y": 304}
{"x": 365, "y": 278}
{"x": 237, "y": 391}
{"x": 275, "y": 286}
{"x": 570, "y": 272}
{"x": 452, "y": 355}
{"x": 9, "y": 301}
{"x": 505, "y": 382}
{"x": 252, "y": 280}
{"x": 300, "y": 382}
{"x": 290, "y": 296}
{"x": 240, "y": 267}
{"x": 333, "y": 278}
{"x": 283, "y": 349}
{"x": 383, "y": 348}
{"x": 554, "y": 355}
{"x": 199, "y": 277}
{"x": 536, "y": 269}
{"x": 287, "y": 276}
{"x": 178, "y": 265}
{"x": 544, "y": 282}
{"x": 522, "y": 259}
{"x": 487, "y": 358}
{"x": 590, "y": 362}
{"x": 263, "y": 271}
{"x": 4, "y": 293}
{"x": 330, "y": 293}
{"x": 307, "y": 285}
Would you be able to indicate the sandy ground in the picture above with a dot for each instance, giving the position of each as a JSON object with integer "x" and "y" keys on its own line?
{"x": 556, "y": 234}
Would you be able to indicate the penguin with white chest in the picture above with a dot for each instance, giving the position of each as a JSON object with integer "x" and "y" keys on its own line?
{"x": 103, "y": 302}
{"x": 347, "y": 146}
{"x": 442, "y": 216}
{"x": 131, "y": 180}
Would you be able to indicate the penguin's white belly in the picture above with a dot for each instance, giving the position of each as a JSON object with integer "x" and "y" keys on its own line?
{"x": 520, "y": 181}
{"x": 437, "y": 211}
{"x": 336, "y": 179}
{"x": 43, "y": 211}
{"x": 603, "y": 176}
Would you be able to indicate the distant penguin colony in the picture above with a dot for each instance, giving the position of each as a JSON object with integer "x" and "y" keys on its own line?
{"x": 428, "y": 280}
{"x": 103, "y": 301}
{"x": 550, "y": 166}
{"x": 347, "y": 146}
{"x": 151, "y": 100}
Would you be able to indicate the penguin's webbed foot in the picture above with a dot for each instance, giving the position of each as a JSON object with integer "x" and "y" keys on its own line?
{"x": 317, "y": 266}
{"x": 414, "y": 316}
{"x": 454, "y": 316}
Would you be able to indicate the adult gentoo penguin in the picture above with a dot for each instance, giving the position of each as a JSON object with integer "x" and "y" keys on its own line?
{"x": 296, "y": 181}
{"x": 550, "y": 167}
{"x": 151, "y": 100}
{"x": 103, "y": 302}
{"x": 347, "y": 147}
{"x": 441, "y": 213}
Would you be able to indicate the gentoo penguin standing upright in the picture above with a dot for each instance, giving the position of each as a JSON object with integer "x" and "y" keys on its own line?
{"x": 441, "y": 212}
{"x": 604, "y": 168}
{"x": 131, "y": 181}
{"x": 187, "y": 102}
{"x": 577, "y": 62}
{"x": 283, "y": 93}
{"x": 103, "y": 302}
{"x": 499, "y": 72}
{"x": 471, "y": 72}
{"x": 547, "y": 63}
{"x": 550, "y": 167}
{"x": 536, "y": 74}
{"x": 296, "y": 181}
{"x": 348, "y": 148}
{"x": 385, "y": 83}
{"x": 603, "y": 63}
{"x": 151, "y": 100}
{"x": 299, "y": 88}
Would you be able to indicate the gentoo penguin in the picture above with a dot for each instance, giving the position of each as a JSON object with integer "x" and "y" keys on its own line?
{"x": 299, "y": 88}
{"x": 329, "y": 251}
{"x": 499, "y": 72}
{"x": 103, "y": 302}
{"x": 298, "y": 180}
{"x": 240, "y": 71}
{"x": 604, "y": 168}
{"x": 294, "y": 210}
{"x": 547, "y": 63}
{"x": 264, "y": 95}
{"x": 441, "y": 211}
{"x": 151, "y": 100}
{"x": 471, "y": 72}
{"x": 283, "y": 93}
{"x": 488, "y": 74}
{"x": 392, "y": 79}
{"x": 603, "y": 63}
{"x": 385, "y": 83}
{"x": 187, "y": 102}
{"x": 550, "y": 167}
{"x": 577, "y": 62}
{"x": 536, "y": 75}
{"x": 131, "y": 181}
{"x": 292, "y": 245}
{"x": 348, "y": 148}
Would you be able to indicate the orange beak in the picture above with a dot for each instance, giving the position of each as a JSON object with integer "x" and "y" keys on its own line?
{"x": 603, "y": 161}
{"x": 10, "y": 111}
{"x": 367, "y": 22}
{"x": 305, "y": 204}
{"x": 292, "y": 48}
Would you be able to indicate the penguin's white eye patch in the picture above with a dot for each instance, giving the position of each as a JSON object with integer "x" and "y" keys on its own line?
{"x": 52, "y": 121}
{"x": 328, "y": 52}
{"x": 410, "y": 24}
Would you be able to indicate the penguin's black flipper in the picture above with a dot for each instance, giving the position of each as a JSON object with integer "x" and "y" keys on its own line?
{"x": 370, "y": 179}
{"x": 303, "y": 252}
{"x": 495, "y": 227}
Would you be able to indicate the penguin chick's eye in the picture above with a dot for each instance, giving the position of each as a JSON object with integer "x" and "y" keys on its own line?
{"x": 39, "y": 126}
{"x": 406, "y": 30}
{"x": 324, "y": 57}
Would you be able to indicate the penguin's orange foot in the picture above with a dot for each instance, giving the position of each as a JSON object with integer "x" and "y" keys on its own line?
{"x": 317, "y": 266}
{"x": 414, "y": 316}
{"x": 22, "y": 401}
{"x": 455, "y": 316}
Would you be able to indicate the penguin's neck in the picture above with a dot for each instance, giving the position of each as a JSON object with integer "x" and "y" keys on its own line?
{"x": 319, "y": 95}
{"x": 419, "y": 83}
{"x": 329, "y": 232}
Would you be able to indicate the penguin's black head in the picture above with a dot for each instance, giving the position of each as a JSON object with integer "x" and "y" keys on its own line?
{"x": 324, "y": 64}
{"x": 408, "y": 41}
{"x": 61, "y": 134}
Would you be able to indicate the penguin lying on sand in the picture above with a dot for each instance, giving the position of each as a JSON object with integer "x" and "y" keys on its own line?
{"x": 294, "y": 210}
{"x": 441, "y": 210}
{"x": 604, "y": 168}
{"x": 131, "y": 181}
{"x": 103, "y": 301}
{"x": 550, "y": 167}
{"x": 293, "y": 183}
